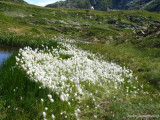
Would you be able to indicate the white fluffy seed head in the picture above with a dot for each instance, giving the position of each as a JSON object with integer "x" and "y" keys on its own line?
{"x": 49, "y": 96}
{"x": 52, "y": 100}
{"x": 95, "y": 116}
{"x": 53, "y": 117}
{"x": 44, "y": 114}
{"x": 83, "y": 66}
{"x": 42, "y": 100}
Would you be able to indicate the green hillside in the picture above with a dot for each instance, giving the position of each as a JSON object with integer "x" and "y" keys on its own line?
{"x": 126, "y": 41}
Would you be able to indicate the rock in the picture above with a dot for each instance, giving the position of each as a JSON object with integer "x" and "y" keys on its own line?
{"x": 106, "y": 20}
{"x": 34, "y": 21}
{"x": 52, "y": 21}
{"x": 121, "y": 24}
{"x": 100, "y": 23}
{"x": 95, "y": 39}
{"x": 89, "y": 17}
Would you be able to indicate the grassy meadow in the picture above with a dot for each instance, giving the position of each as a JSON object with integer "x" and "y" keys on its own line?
{"x": 79, "y": 64}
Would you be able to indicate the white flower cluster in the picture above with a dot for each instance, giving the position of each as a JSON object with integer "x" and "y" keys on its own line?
{"x": 66, "y": 71}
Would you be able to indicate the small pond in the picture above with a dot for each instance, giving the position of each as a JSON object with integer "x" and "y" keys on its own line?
{"x": 5, "y": 52}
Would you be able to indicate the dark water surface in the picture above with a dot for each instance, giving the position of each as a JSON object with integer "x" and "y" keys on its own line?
{"x": 5, "y": 52}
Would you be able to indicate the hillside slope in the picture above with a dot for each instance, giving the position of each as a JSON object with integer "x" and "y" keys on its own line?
{"x": 104, "y": 5}
{"x": 123, "y": 40}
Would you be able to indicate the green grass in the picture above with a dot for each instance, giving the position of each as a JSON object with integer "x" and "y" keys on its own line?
{"x": 114, "y": 43}
{"x": 21, "y": 98}
{"x": 11, "y": 39}
{"x": 144, "y": 67}
{"x": 141, "y": 61}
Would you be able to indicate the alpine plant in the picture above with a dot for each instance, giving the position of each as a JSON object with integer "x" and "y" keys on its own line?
{"x": 71, "y": 72}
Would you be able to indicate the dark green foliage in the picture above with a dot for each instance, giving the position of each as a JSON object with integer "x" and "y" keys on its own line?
{"x": 21, "y": 97}
{"x": 153, "y": 77}
{"x": 83, "y": 5}
{"x": 25, "y": 40}
{"x": 65, "y": 56}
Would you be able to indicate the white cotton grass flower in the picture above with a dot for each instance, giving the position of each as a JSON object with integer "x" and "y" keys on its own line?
{"x": 53, "y": 117}
{"x": 52, "y": 100}
{"x": 69, "y": 103}
{"x": 42, "y": 100}
{"x": 64, "y": 97}
{"x": 49, "y": 96}
{"x": 80, "y": 90}
{"x": 46, "y": 108}
{"x": 44, "y": 114}
{"x": 67, "y": 71}
{"x": 77, "y": 111}
{"x": 95, "y": 116}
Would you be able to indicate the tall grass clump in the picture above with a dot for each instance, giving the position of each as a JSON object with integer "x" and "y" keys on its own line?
{"x": 14, "y": 40}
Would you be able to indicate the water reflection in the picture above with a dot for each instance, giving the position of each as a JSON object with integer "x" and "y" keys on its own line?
{"x": 5, "y": 52}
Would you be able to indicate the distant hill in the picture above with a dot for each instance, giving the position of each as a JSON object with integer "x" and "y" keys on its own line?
{"x": 106, "y": 5}
{"x": 84, "y": 4}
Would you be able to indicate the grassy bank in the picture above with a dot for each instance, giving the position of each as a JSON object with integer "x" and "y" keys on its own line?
{"x": 141, "y": 61}
{"x": 22, "y": 98}
{"x": 127, "y": 38}
{"x": 11, "y": 39}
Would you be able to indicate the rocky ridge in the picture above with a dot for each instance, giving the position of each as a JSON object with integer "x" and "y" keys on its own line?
{"x": 108, "y": 5}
